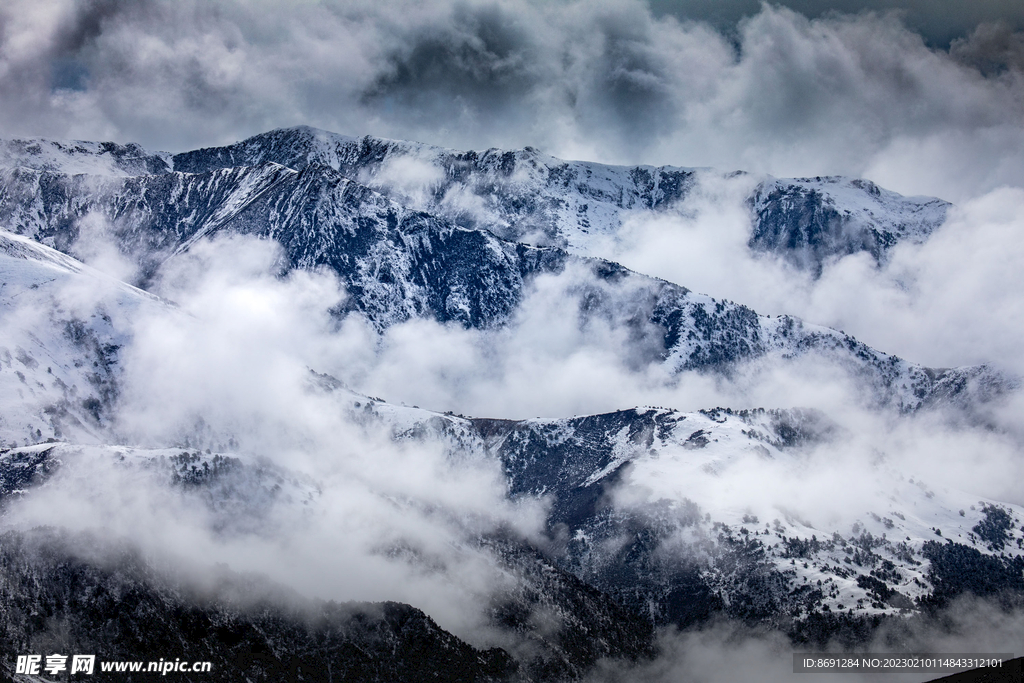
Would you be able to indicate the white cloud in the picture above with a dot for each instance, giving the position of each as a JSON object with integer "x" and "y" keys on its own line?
{"x": 230, "y": 363}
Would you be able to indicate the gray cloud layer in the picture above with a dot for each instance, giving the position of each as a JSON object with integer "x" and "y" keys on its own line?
{"x": 852, "y": 94}
{"x": 939, "y": 21}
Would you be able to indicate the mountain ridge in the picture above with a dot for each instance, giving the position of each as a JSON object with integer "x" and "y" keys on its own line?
{"x": 525, "y": 194}
{"x": 400, "y": 263}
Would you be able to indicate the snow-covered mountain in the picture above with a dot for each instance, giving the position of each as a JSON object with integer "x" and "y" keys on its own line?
{"x": 81, "y": 157}
{"x": 646, "y": 521}
{"x": 526, "y": 195}
{"x": 86, "y": 593}
{"x": 809, "y": 221}
{"x": 632, "y": 513}
{"x": 520, "y": 195}
{"x": 399, "y": 263}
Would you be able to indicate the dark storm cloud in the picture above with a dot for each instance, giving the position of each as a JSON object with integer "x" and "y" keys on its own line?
{"x": 86, "y": 24}
{"x": 939, "y": 21}
{"x": 632, "y": 79}
{"x": 69, "y": 69}
{"x": 483, "y": 63}
{"x": 992, "y": 49}
{"x": 609, "y": 81}
{"x": 479, "y": 61}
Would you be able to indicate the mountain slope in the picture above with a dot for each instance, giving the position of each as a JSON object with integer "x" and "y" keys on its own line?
{"x": 524, "y": 195}
{"x": 810, "y": 221}
{"x": 555, "y": 626}
{"x": 651, "y": 517}
{"x": 147, "y": 216}
{"x": 79, "y": 594}
{"x": 641, "y": 521}
{"x": 81, "y": 157}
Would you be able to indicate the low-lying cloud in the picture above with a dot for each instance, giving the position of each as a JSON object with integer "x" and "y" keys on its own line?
{"x": 235, "y": 359}
{"x": 227, "y": 367}
{"x": 950, "y": 301}
{"x": 231, "y": 360}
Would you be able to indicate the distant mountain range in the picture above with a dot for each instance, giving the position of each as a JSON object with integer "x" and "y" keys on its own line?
{"x": 296, "y": 186}
{"x": 512, "y": 194}
{"x": 419, "y": 232}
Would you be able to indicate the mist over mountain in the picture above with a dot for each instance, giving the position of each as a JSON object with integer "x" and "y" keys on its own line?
{"x": 601, "y": 341}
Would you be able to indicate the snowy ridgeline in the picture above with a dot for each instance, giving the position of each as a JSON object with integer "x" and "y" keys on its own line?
{"x": 661, "y": 492}
{"x": 331, "y": 202}
{"x": 518, "y": 195}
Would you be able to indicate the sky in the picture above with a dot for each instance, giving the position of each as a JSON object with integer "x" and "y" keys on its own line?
{"x": 926, "y": 99}
{"x": 938, "y": 21}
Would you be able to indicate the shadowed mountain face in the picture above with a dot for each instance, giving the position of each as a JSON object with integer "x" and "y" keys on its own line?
{"x": 109, "y": 602}
{"x": 620, "y": 555}
{"x": 515, "y": 194}
{"x": 612, "y": 523}
{"x": 524, "y": 194}
{"x": 811, "y": 221}
{"x": 87, "y": 594}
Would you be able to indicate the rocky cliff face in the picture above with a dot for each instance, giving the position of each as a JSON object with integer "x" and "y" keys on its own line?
{"x": 524, "y": 194}
{"x": 811, "y": 221}
{"x": 624, "y": 516}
